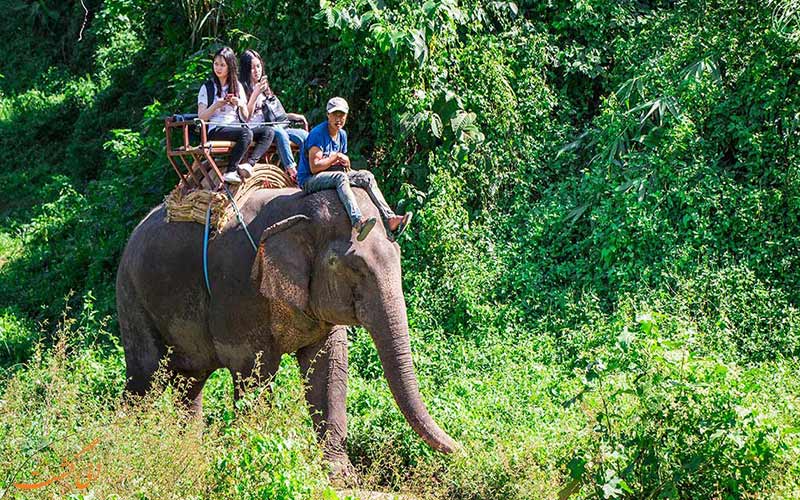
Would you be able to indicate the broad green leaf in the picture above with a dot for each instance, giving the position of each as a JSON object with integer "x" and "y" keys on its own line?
{"x": 576, "y": 213}
{"x": 672, "y": 106}
{"x": 576, "y": 144}
{"x": 471, "y": 134}
{"x": 458, "y": 121}
{"x": 376, "y": 6}
{"x": 436, "y": 125}
{"x": 366, "y": 19}
{"x": 654, "y": 108}
{"x": 420, "y": 46}
{"x": 642, "y": 190}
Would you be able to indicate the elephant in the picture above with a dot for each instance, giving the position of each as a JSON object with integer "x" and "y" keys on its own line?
{"x": 307, "y": 281}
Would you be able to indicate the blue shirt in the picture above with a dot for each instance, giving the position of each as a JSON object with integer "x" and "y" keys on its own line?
{"x": 320, "y": 138}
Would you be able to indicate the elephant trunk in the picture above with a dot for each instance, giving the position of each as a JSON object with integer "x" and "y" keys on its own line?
{"x": 388, "y": 325}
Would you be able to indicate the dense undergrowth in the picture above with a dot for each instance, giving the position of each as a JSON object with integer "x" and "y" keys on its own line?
{"x": 601, "y": 277}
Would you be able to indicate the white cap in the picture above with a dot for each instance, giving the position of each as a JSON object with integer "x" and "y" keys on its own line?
{"x": 338, "y": 104}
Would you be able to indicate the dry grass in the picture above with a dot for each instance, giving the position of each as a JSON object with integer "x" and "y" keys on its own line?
{"x": 55, "y": 429}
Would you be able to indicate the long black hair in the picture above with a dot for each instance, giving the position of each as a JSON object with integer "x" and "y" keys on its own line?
{"x": 233, "y": 81}
{"x": 245, "y": 68}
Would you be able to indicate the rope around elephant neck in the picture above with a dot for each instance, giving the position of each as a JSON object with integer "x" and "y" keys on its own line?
{"x": 239, "y": 217}
{"x": 206, "y": 231}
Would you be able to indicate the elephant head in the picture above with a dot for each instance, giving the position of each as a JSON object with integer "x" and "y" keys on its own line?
{"x": 317, "y": 267}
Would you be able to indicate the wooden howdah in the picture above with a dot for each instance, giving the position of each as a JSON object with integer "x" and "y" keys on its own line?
{"x": 201, "y": 165}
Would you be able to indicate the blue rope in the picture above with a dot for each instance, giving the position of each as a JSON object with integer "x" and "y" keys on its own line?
{"x": 206, "y": 232}
{"x": 205, "y": 248}
{"x": 239, "y": 218}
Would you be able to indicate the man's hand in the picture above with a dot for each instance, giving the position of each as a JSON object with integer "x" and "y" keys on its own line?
{"x": 340, "y": 159}
{"x": 318, "y": 162}
{"x": 343, "y": 160}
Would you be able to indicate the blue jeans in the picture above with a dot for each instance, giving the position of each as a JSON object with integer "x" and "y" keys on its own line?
{"x": 283, "y": 136}
{"x": 341, "y": 181}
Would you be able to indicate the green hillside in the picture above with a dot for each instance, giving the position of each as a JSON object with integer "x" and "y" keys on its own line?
{"x": 602, "y": 277}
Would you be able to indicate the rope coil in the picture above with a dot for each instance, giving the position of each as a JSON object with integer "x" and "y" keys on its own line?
{"x": 192, "y": 206}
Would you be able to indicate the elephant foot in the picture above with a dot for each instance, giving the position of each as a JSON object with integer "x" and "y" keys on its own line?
{"x": 341, "y": 472}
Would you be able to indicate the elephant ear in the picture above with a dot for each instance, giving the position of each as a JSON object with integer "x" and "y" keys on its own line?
{"x": 282, "y": 268}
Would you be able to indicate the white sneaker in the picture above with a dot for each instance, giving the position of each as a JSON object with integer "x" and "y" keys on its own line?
{"x": 246, "y": 170}
{"x": 232, "y": 178}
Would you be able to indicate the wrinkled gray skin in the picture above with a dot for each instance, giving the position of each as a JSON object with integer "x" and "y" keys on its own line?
{"x": 309, "y": 278}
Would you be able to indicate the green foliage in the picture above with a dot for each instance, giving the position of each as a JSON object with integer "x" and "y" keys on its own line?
{"x": 601, "y": 277}
{"x": 268, "y": 451}
{"x": 121, "y": 40}
{"x": 16, "y": 338}
{"x": 266, "y": 464}
{"x": 669, "y": 421}
{"x": 40, "y": 35}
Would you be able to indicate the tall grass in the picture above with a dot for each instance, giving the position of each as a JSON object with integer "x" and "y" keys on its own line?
{"x": 62, "y": 416}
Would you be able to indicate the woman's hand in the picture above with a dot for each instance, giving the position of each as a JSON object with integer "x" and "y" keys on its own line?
{"x": 298, "y": 118}
{"x": 292, "y": 174}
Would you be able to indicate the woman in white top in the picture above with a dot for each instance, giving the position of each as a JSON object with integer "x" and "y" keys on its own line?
{"x": 265, "y": 106}
{"x": 227, "y": 112}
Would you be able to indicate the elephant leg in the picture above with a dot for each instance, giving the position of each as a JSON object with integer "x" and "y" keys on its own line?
{"x": 144, "y": 350}
{"x": 253, "y": 372}
{"x": 324, "y": 367}
{"x": 191, "y": 386}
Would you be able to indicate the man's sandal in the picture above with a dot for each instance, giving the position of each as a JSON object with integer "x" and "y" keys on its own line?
{"x": 363, "y": 227}
{"x": 403, "y": 224}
